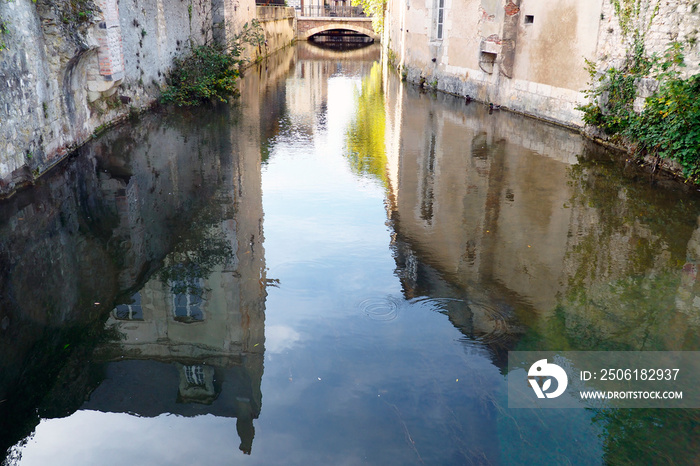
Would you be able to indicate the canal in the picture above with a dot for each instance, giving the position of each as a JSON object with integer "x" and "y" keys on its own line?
{"x": 332, "y": 270}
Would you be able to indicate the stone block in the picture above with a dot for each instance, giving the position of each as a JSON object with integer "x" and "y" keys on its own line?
{"x": 544, "y": 90}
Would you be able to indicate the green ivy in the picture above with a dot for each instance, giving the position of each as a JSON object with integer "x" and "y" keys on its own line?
{"x": 3, "y": 31}
{"x": 77, "y": 11}
{"x": 375, "y": 10}
{"x": 207, "y": 73}
{"x": 669, "y": 126}
{"x": 613, "y": 99}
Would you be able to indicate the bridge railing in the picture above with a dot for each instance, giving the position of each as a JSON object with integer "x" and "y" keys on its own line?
{"x": 340, "y": 11}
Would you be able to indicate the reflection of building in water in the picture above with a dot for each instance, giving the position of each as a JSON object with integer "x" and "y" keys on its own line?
{"x": 88, "y": 241}
{"x": 688, "y": 298}
{"x": 205, "y": 341}
{"x": 307, "y": 93}
{"x": 453, "y": 186}
{"x": 193, "y": 335}
{"x": 480, "y": 212}
{"x": 307, "y": 87}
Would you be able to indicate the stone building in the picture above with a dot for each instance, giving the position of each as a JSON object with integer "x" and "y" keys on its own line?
{"x": 529, "y": 56}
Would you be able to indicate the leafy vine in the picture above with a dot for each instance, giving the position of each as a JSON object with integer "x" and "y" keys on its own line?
{"x": 668, "y": 126}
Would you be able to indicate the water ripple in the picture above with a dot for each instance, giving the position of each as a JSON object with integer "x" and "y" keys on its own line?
{"x": 383, "y": 309}
{"x": 438, "y": 304}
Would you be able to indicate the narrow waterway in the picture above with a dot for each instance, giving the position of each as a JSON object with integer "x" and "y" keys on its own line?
{"x": 332, "y": 271}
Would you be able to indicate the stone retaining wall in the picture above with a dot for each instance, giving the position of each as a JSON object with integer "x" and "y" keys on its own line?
{"x": 66, "y": 73}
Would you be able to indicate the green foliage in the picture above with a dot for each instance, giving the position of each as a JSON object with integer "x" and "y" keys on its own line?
{"x": 391, "y": 57}
{"x": 613, "y": 92}
{"x": 251, "y": 34}
{"x": 210, "y": 71}
{"x": 669, "y": 126}
{"x": 631, "y": 15}
{"x": 207, "y": 73}
{"x": 3, "y": 32}
{"x": 77, "y": 11}
{"x": 375, "y": 10}
{"x": 613, "y": 100}
{"x": 202, "y": 247}
{"x": 366, "y": 134}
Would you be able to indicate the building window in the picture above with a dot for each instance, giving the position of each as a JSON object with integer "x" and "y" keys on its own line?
{"x": 187, "y": 308}
{"x": 131, "y": 311}
{"x": 529, "y": 19}
{"x": 194, "y": 375}
{"x": 440, "y": 19}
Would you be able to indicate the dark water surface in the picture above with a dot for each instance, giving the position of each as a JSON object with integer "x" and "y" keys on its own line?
{"x": 332, "y": 271}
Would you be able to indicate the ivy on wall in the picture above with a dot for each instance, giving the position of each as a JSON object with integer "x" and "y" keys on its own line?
{"x": 3, "y": 31}
{"x": 668, "y": 127}
{"x": 632, "y": 14}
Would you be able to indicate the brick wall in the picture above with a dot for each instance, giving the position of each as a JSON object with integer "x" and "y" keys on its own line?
{"x": 110, "y": 53}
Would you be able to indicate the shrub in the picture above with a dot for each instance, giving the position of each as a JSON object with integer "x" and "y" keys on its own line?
{"x": 669, "y": 126}
{"x": 209, "y": 72}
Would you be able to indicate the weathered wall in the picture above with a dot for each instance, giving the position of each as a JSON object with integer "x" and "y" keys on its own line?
{"x": 526, "y": 55}
{"x": 675, "y": 20}
{"x": 488, "y": 52}
{"x": 69, "y": 68}
{"x": 279, "y": 24}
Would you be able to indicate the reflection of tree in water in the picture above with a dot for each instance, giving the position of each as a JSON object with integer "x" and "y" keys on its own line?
{"x": 202, "y": 246}
{"x": 650, "y": 436}
{"x": 627, "y": 260}
{"x": 365, "y": 136}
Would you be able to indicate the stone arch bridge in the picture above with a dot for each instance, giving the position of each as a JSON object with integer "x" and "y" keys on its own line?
{"x": 311, "y": 26}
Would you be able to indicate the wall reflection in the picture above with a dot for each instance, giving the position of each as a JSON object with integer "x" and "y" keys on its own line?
{"x": 544, "y": 243}
{"x": 192, "y": 337}
{"x": 479, "y": 198}
{"x": 307, "y": 88}
{"x": 144, "y": 256}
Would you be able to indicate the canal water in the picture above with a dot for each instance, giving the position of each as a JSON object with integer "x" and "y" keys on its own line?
{"x": 333, "y": 270}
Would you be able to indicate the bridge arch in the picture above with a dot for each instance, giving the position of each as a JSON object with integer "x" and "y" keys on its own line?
{"x": 336, "y": 25}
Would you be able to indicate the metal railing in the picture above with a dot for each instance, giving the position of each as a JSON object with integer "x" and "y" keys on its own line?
{"x": 340, "y": 11}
